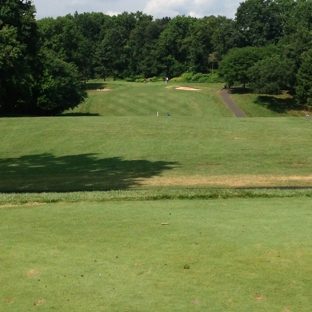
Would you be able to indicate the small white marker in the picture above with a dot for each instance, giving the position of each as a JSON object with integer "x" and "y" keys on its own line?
{"x": 157, "y": 114}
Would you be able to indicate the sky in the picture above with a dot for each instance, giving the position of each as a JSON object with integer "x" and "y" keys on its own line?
{"x": 156, "y": 8}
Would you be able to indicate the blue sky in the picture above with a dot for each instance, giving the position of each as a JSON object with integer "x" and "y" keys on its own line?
{"x": 156, "y": 8}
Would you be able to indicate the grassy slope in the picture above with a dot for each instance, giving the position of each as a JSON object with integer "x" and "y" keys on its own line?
{"x": 255, "y": 105}
{"x": 243, "y": 255}
{"x": 106, "y": 253}
{"x": 138, "y": 99}
{"x": 94, "y": 153}
{"x": 129, "y": 147}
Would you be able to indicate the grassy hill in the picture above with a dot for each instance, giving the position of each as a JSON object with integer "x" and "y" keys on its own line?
{"x": 118, "y": 142}
{"x": 119, "y": 98}
{"x": 138, "y": 99}
{"x": 175, "y": 232}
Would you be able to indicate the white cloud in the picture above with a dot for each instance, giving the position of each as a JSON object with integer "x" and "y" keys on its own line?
{"x": 196, "y": 8}
{"x": 156, "y": 8}
{"x": 162, "y": 8}
{"x": 111, "y": 13}
{"x": 192, "y": 14}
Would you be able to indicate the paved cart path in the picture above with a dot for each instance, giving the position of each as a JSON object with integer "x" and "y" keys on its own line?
{"x": 226, "y": 98}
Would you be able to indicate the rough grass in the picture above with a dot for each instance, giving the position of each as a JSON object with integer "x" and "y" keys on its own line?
{"x": 30, "y": 199}
{"x": 182, "y": 255}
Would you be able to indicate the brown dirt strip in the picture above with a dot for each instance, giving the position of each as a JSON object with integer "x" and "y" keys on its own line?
{"x": 224, "y": 181}
{"x": 226, "y": 98}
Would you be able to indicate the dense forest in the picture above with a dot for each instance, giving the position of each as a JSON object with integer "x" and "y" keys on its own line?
{"x": 45, "y": 63}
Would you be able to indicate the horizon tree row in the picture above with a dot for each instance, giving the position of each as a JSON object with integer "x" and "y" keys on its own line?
{"x": 43, "y": 63}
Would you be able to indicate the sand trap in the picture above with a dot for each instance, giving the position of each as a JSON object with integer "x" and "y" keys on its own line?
{"x": 103, "y": 90}
{"x": 187, "y": 89}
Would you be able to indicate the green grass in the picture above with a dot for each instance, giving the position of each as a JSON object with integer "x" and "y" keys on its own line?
{"x": 96, "y": 153}
{"x": 139, "y": 99}
{"x": 13, "y": 199}
{"x": 255, "y": 105}
{"x": 64, "y": 248}
{"x": 242, "y": 254}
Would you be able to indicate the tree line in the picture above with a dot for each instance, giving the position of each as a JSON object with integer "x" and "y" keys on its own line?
{"x": 44, "y": 63}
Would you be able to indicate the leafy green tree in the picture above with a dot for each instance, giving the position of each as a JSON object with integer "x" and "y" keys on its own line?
{"x": 304, "y": 81}
{"x": 92, "y": 26}
{"x": 13, "y": 71}
{"x": 113, "y": 53}
{"x": 235, "y": 65}
{"x": 201, "y": 44}
{"x": 140, "y": 44}
{"x": 294, "y": 47}
{"x": 18, "y": 53}
{"x": 62, "y": 36}
{"x": 259, "y": 22}
{"x": 225, "y": 36}
{"x": 271, "y": 75}
{"x": 148, "y": 64}
{"x": 59, "y": 87}
{"x": 173, "y": 46}
{"x": 297, "y": 15}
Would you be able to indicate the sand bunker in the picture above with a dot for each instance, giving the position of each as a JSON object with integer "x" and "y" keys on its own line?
{"x": 103, "y": 90}
{"x": 187, "y": 89}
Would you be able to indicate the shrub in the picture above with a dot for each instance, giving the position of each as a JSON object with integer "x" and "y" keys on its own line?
{"x": 129, "y": 79}
{"x": 196, "y": 77}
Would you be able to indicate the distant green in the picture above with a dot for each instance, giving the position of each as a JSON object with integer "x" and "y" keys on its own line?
{"x": 119, "y": 98}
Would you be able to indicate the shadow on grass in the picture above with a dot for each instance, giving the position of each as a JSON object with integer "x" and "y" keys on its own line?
{"x": 239, "y": 90}
{"x": 279, "y": 105}
{"x": 86, "y": 172}
{"x": 69, "y": 114}
{"x": 95, "y": 85}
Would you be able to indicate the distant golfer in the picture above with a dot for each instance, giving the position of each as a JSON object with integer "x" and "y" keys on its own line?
{"x": 166, "y": 79}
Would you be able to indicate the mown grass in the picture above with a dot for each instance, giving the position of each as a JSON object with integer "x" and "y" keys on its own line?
{"x": 95, "y": 153}
{"x": 255, "y": 105}
{"x": 138, "y": 99}
{"x": 181, "y": 255}
{"x": 175, "y": 233}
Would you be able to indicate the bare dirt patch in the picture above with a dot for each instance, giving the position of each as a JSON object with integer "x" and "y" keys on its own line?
{"x": 21, "y": 205}
{"x": 187, "y": 89}
{"x": 33, "y": 204}
{"x": 39, "y": 302}
{"x": 228, "y": 181}
{"x": 195, "y": 301}
{"x": 259, "y": 297}
{"x": 32, "y": 272}
{"x": 9, "y": 300}
{"x": 240, "y": 139}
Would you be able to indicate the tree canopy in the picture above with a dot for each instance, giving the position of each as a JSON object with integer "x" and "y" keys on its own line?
{"x": 266, "y": 46}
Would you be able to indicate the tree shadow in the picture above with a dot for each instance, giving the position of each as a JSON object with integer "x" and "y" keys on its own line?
{"x": 76, "y": 114}
{"x": 85, "y": 172}
{"x": 276, "y": 104}
{"x": 95, "y": 85}
{"x": 239, "y": 90}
